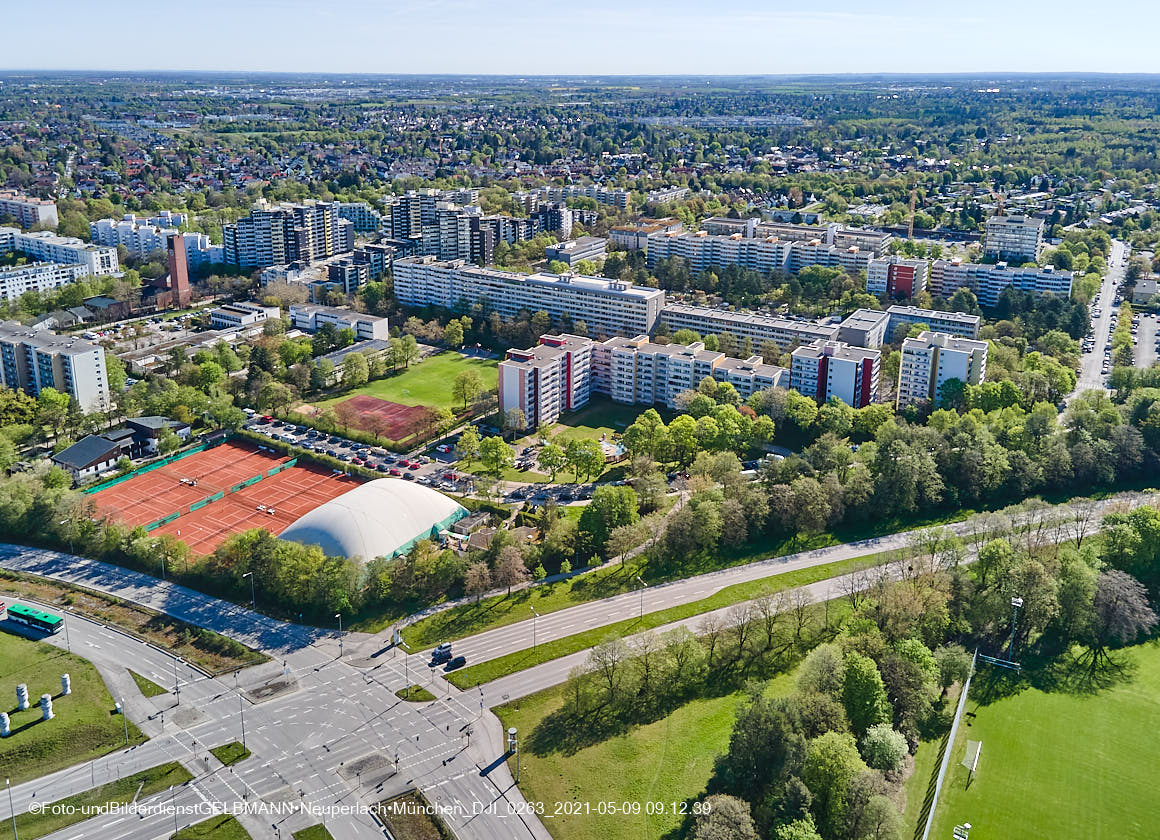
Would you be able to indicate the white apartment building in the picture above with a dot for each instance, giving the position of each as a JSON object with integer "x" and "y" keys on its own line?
{"x": 309, "y": 317}
{"x": 865, "y": 328}
{"x": 934, "y": 358}
{"x": 703, "y": 251}
{"x": 785, "y": 332}
{"x": 830, "y": 234}
{"x": 365, "y": 218}
{"x": 572, "y": 251}
{"x": 141, "y": 239}
{"x": 241, "y": 314}
{"x": 989, "y": 281}
{"x": 896, "y": 277}
{"x": 28, "y": 211}
{"x": 1014, "y": 238}
{"x": 547, "y": 380}
{"x": 827, "y": 369}
{"x": 634, "y": 237}
{"x": 38, "y": 277}
{"x": 42, "y": 245}
{"x": 35, "y": 359}
{"x": 641, "y": 372}
{"x": 282, "y": 233}
{"x": 607, "y": 307}
{"x": 902, "y": 318}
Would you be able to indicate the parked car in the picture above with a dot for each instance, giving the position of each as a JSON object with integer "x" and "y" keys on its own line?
{"x": 457, "y": 662}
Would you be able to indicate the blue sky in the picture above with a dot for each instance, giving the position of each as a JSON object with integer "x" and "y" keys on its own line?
{"x": 578, "y": 37}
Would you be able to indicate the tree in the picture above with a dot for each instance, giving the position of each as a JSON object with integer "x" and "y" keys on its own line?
{"x": 210, "y": 377}
{"x": 863, "y": 694}
{"x": 453, "y": 334}
{"x": 409, "y": 350}
{"x": 725, "y": 818}
{"x": 610, "y": 508}
{"x": 831, "y": 765}
{"x": 495, "y": 455}
{"x": 509, "y": 568}
{"x": 355, "y": 370}
{"x": 514, "y": 420}
{"x": 168, "y": 441}
{"x": 477, "y": 580}
{"x": 552, "y": 458}
{"x": 52, "y": 408}
{"x": 683, "y": 438}
{"x": 467, "y": 386}
{"x": 1120, "y": 614}
{"x": 883, "y": 748}
{"x": 954, "y": 665}
{"x": 585, "y": 457}
{"x": 467, "y": 447}
{"x": 803, "y": 829}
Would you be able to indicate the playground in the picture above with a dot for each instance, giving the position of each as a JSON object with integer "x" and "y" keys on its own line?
{"x": 208, "y": 495}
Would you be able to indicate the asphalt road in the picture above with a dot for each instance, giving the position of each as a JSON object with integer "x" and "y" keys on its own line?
{"x": 335, "y": 718}
{"x": 1091, "y": 375}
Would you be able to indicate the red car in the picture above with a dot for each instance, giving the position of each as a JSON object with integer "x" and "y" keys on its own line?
{"x": 396, "y": 471}
{"x": 412, "y": 466}
{"x": 358, "y": 462}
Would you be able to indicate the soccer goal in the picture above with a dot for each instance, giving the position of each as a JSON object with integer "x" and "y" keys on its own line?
{"x": 971, "y": 759}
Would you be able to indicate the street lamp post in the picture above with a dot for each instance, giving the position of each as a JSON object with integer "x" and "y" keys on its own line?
{"x": 339, "y": 617}
{"x": 242, "y": 712}
{"x": 125, "y": 721}
{"x": 643, "y": 587}
{"x": 12, "y": 809}
{"x": 535, "y": 615}
{"x": 176, "y": 684}
{"x": 67, "y": 641}
{"x": 70, "y": 536}
{"x": 253, "y": 597}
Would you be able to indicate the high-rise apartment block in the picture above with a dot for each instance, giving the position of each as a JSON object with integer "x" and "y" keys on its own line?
{"x": 143, "y": 238}
{"x": 902, "y": 318}
{"x": 283, "y": 233}
{"x": 933, "y": 359}
{"x": 703, "y": 251}
{"x": 32, "y": 360}
{"x": 865, "y": 328}
{"x": 896, "y": 277}
{"x": 989, "y": 281}
{"x": 98, "y": 260}
{"x": 827, "y": 369}
{"x": 840, "y": 236}
{"x": 639, "y": 371}
{"x": 27, "y": 211}
{"x": 547, "y": 380}
{"x": 38, "y": 277}
{"x": 1014, "y": 238}
{"x": 784, "y": 332}
{"x": 607, "y": 307}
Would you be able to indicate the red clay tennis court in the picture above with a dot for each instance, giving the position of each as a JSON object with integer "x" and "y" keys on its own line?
{"x": 381, "y": 417}
{"x": 229, "y": 488}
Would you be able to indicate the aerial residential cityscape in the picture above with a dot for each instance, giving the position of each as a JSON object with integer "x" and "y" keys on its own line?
{"x": 688, "y": 439}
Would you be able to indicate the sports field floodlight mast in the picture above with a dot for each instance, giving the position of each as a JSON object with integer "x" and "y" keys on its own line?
{"x": 253, "y": 597}
{"x": 1016, "y": 603}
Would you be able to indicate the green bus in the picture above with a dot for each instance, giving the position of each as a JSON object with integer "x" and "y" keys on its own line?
{"x": 36, "y": 619}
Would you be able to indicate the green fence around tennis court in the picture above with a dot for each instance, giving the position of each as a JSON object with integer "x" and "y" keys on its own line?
{"x": 200, "y": 504}
{"x": 280, "y": 467}
{"x": 165, "y": 520}
{"x": 243, "y": 484}
{"x": 155, "y": 465}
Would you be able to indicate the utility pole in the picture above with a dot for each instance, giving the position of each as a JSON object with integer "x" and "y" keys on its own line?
{"x": 253, "y": 598}
{"x": 643, "y": 587}
{"x": 125, "y": 720}
{"x": 242, "y": 712}
{"x": 1016, "y": 603}
{"x": 339, "y": 617}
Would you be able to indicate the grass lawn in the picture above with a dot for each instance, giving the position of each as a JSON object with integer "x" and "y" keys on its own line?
{"x": 427, "y": 383}
{"x": 1065, "y": 764}
{"x": 84, "y": 727}
{"x": 230, "y": 753}
{"x": 519, "y": 660}
{"x": 224, "y": 827}
{"x": 315, "y": 832}
{"x": 415, "y": 693}
{"x": 147, "y": 686}
{"x": 601, "y": 416}
{"x": 667, "y": 761}
{"x": 153, "y": 780}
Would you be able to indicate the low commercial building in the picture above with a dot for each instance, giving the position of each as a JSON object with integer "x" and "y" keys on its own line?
{"x": 864, "y": 328}
{"x": 933, "y": 359}
{"x": 902, "y": 318}
{"x": 641, "y": 372}
{"x": 607, "y": 307}
{"x": 32, "y": 360}
{"x": 27, "y": 211}
{"x": 988, "y": 282}
{"x": 309, "y": 317}
{"x": 1145, "y": 290}
{"x": 572, "y": 251}
{"x": 241, "y": 314}
{"x": 827, "y": 369}
{"x": 545, "y": 381}
{"x": 374, "y": 348}
{"x": 896, "y": 277}
{"x": 784, "y": 332}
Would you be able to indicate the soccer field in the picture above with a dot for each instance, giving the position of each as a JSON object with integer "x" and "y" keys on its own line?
{"x": 427, "y": 383}
{"x": 1062, "y": 765}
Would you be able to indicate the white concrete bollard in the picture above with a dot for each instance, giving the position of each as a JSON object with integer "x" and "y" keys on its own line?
{"x": 5, "y": 725}
{"x": 21, "y": 697}
{"x": 65, "y": 684}
{"x": 46, "y": 707}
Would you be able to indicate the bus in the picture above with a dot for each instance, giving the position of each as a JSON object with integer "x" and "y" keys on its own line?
{"x": 36, "y": 619}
